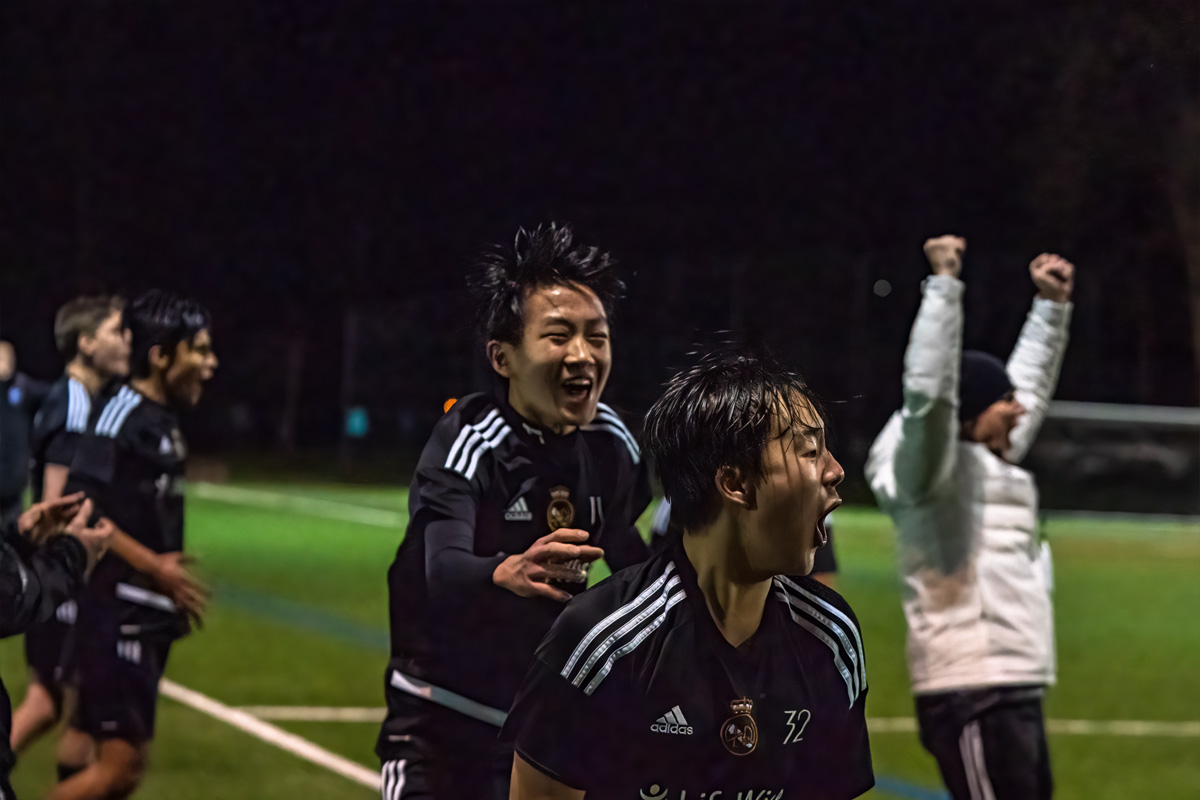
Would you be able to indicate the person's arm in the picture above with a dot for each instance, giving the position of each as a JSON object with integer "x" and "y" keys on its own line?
{"x": 54, "y": 481}
{"x": 929, "y": 428}
{"x": 444, "y": 500}
{"x": 92, "y": 471}
{"x": 32, "y": 587}
{"x": 530, "y": 783}
{"x": 567, "y": 733}
{"x": 1037, "y": 359}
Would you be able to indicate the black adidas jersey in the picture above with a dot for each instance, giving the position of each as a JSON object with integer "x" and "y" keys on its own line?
{"x": 57, "y": 427}
{"x": 486, "y": 487}
{"x": 635, "y": 694}
{"x": 131, "y": 462}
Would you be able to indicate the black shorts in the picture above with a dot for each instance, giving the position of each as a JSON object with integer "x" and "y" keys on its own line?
{"x": 990, "y": 744}
{"x": 118, "y": 685}
{"x": 48, "y": 652}
{"x": 429, "y": 752}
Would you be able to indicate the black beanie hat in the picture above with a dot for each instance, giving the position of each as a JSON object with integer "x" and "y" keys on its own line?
{"x": 982, "y": 381}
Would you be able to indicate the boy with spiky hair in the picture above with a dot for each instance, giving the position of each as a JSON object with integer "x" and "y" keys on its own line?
{"x": 717, "y": 668}
{"x": 91, "y": 337}
{"x": 131, "y": 463}
{"x": 516, "y": 492}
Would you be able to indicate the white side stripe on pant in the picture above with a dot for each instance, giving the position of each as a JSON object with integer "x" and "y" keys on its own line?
{"x": 393, "y": 779}
{"x": 970, "y": 746}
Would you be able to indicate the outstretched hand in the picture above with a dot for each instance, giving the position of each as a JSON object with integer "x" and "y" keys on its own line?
{"x": 556, "y": 556}
{"x": 43, "y": 521}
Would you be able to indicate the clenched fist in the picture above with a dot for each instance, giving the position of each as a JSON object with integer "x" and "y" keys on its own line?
{"x": 1053, "y": 276}
{"x": 945, "y": 254}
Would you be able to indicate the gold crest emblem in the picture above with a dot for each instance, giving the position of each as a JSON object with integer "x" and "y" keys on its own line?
{"x": 739, "y": 734}
{"x": 560, "y": 513}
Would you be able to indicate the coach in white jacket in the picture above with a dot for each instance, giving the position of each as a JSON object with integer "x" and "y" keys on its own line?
{"x": 977, "y": 580}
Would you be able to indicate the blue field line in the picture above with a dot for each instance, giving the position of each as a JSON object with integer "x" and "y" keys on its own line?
{"x": 313, "y": 620}
{"x": 302, "y": 616}
{"x": 895, "y": 787}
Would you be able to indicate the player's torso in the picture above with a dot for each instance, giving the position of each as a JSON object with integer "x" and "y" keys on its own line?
{"x": 147, "y": 491}
{"x": 729, "y": 724}
{"x": 536, "y": 488}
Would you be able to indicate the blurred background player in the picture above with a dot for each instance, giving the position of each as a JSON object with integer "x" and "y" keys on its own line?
{"x": 824, "y": 562}
{"x": 131, "y": 462}
{"x": 717, "y": 668}
{"x": 45, "y": 556}
{"x": 91, "y": 338}
{"x": 977, "y": 579}
{"x": 515, "y": 494}
{"x": 20, "y": 397}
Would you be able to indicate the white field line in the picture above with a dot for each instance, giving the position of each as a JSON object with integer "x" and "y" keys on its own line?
{"x": 329, "y": 509}
{"x": 316, "y": 713}
{"x": 271, "y": 734}
{"x": 1070, "y": 727}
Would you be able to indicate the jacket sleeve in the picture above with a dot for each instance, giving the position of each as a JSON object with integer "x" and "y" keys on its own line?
{"x": 32, "y": 587}
{"x": 1034, "y": 367}
{"x": 914, "y": 455}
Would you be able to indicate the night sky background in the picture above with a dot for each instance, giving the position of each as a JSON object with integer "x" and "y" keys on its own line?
{"x": 321, "y": 175}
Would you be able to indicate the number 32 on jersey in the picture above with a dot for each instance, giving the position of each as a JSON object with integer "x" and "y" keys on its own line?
{"x": 797, "y": 721}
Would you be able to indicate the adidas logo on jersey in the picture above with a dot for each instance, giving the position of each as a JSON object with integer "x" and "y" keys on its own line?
{"x": 672, "y": 722}
{"x": 518, "y": 512}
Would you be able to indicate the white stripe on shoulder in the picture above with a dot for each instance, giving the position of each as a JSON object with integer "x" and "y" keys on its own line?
{"x": 117, "y": 411}
{"x": 835, "y": 611}
{"x": 79, "y": 406}
{"x": 468, "y": 433}
{"x": 623, "y": 611}
{"x": 637, "y": 623}
{"x": 608, "y": 420}
{"x": 671, "y": 598}
{"x": 488, "y": 444}
{"x": 847, "y": 675}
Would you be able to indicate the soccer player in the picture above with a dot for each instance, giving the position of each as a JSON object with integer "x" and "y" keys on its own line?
{"x": 662, "y": 529}
{"x": 517, "y": 491}
{"x": 131, "y": 463}
{"x": 45, "y": 555}
{"x": 716, "y": 669}
{"x": 976, "y": 576}
{"x": 94, "y": 344}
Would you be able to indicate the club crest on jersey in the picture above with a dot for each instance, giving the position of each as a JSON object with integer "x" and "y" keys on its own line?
{"x": 739, "y": 734}
{"x": 560, "y": 513}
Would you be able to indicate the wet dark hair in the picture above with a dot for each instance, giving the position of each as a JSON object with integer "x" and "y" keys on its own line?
{"x": 82, "y": 316}
{"x": 721, "y": 413}
{"x": 161, "y": 318}
{"x": 546, "y": 257}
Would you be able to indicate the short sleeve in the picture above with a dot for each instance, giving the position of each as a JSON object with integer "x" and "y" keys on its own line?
{"x": 848, "y": 756}
{"x": 60, "y": 447}
{"x": 557, "y": 727}
{"x": 93, "y": 468}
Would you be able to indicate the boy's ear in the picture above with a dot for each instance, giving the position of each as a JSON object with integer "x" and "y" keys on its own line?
{"x": 734, "y": 488}
{"x": 498, "y": 357}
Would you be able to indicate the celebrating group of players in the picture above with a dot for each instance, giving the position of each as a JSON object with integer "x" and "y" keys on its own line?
{"x": 710, "y": 666}
{"x": 108, "y": 460}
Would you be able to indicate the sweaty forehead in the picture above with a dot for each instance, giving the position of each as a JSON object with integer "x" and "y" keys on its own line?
{"x": 797, "y": 417}
{"x": 570, "y": 302}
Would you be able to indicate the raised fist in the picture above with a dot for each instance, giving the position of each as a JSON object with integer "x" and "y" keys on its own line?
{"x": 1054, "y": 277}
{"x": 945, "y": 254}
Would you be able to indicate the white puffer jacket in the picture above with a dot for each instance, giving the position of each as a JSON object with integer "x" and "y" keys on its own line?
{"x": 977, "y": 581}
